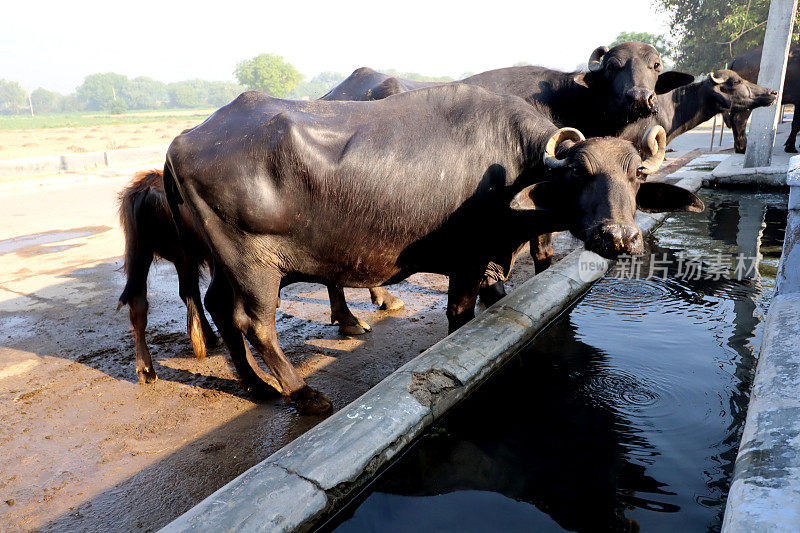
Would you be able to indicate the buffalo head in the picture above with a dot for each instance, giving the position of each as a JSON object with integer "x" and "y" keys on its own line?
{"x": 731, "y": 92}
{"x": 596, "y": 186}
{"x": 629, "y": 76}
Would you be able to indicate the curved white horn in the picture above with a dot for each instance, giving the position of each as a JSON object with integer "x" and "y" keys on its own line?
{"x": 655, "y": 140}
{"x": 715, "y": 79}
{"x": 561, "y": 135}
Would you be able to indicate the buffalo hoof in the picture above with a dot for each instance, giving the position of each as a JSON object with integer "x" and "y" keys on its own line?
{"x": 147, "y": 375}
{"x": 385, "y": 301}
{"x": 739, "y": 150}
{"x": 790, "y": 149}
{"x": 355, "y": 327}
{"x": 311, "y": 402}
{"x": 391, "y": 304}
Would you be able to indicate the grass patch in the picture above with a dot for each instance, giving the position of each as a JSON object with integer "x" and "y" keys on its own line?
{"x": 95, "y": 118}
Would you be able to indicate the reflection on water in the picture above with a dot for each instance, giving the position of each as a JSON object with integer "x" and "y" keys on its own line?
{"x": 624, "y": 415}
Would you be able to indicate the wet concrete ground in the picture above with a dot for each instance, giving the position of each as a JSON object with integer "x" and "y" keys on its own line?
{"x": 84, "y": 446}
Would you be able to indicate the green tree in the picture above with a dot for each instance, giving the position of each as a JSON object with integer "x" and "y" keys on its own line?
{"x": 317, "y": 86}
{"x": 661, "y": 43}
{"x": 70, "y": 103}
{"x": 268, "y": 73}
{"x": 45, "y": 101}
{"x": 221, "y": 93}
{"x": 712, "y": 32}
{"x": 189, "y": 93}
{"x": 144, "y": 93}
{"x": 13, "y": 97}
{"x": 99, "y": 91}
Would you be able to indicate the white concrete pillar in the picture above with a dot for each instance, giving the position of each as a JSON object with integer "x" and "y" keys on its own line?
{"x": 761, "y": 138}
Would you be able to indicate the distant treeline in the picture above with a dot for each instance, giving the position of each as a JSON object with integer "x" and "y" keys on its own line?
{"x": 116, "y": 93}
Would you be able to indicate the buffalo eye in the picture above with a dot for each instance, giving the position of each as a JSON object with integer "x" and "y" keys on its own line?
{"x": 640, "y": 173}
{"x": 657, "y": 66}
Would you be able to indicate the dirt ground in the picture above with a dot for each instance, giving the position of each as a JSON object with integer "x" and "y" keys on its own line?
{"x": 85, "y": 448}
{"x": 16, "y": 144}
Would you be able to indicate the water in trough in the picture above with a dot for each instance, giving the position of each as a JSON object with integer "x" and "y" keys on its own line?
{"x": 625, "y": 414}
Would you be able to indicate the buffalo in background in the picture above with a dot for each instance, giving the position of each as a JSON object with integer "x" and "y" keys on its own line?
{"x": 748, "y": 65}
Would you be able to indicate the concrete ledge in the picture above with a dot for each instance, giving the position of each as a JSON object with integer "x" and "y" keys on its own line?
{"x": 328, "y": 463}
{"x": 30, "y": 165}
{"x": 732, "y": 172}
{"x": 765, "y": 492}
{"x": 83, "y": 161}
{"x": 50, "y": 164}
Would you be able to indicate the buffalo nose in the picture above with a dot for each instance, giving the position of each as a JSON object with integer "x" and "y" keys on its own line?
{"x": 641, "y": 98}
{"x": 774, "y": 93}
{"x": 612, "y": 240}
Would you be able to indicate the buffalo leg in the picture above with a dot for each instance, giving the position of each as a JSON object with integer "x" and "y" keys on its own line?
{"x": 349, "y": 324}
{"x": 135, "y": 295}
{"x": 739, "y": 129}
{"x": 542, "y": 252}
{"x": 791, "y": 142}
{"x": 219, "y": 302}
{"x": 200, "y": 332}
{"x": 462, "y": 294}
{"x": 258, "y": 320}
{"x": 492, "y": 287}
{"x": 384, "y": 300}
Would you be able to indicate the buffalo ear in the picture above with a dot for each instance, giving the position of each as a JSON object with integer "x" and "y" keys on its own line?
{"x": 672, "y": 79}
{"x": 656, "y": 197}
{"x": 588, "y": 79}
{"x": 722, "y": 100}
{"x": 546, "y": 195}
{"x": 580, "y": 78}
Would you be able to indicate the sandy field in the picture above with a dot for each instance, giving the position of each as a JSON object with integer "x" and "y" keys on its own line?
{"x": 16, "y": 144}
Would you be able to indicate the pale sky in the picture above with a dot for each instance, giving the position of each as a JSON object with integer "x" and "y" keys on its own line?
{"x": 56, "y": 44}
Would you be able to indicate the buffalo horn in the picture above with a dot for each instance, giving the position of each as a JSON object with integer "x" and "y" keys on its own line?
{"x": 715, "y": 79}
{"x": 596, "y": 59}
{"x": 655, "y": 140}
{"x": 561, "y": 135}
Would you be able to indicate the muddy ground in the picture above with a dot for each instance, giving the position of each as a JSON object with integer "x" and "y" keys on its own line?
{"x": 85, "y": 448}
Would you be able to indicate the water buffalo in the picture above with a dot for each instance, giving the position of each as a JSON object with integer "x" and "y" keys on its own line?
{"x": 150, "y": 233}
{"x": 367, "y": 84}
{"x": 748, "y": 65}
{"x": 364, "y": 194}
{"x": 689, "y": 106}
{"x": 620, "y": 87}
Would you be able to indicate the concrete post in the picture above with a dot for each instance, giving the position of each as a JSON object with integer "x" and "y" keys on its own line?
{"x": 748, "y": 238}
{"x": 788, "y": 280}
{"x": 761, "y": 139}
